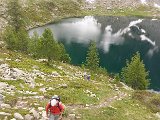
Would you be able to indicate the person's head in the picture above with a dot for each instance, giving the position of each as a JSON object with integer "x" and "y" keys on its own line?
{"x": 55, "y": 100}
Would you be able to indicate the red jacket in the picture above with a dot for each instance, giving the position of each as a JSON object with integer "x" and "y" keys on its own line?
{"x": 56, "y": 110}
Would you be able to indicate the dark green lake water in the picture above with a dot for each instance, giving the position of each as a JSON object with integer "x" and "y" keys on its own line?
{"x": 118, "y": 38}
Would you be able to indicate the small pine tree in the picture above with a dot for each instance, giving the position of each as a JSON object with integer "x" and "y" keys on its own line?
{"x": 10, "y": 37}
{"x": 92, "y": 59}
{"x": 134, "y": 74}
{"x": 49, "y": 46}
{"x": 34, "y": 45}
{"x": 64, "y": 56}
{"x": 16, "y": 40}
{"x": 23, "y": 39}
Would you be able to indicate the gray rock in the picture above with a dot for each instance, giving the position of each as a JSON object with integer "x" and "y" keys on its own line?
{"x": 35, "y": 67}
{"x": 35, "y": 113}
{"x": 28, "y": 117}
{"x": 41, "y": 108}
{"x": 5, "y": 106}
{"x": 158, "y": 115}
{"x": 1, "y": 97}
{"x": 42, "y": 60}
{"x": 44, "y": 117}
{"x": 3, "y": 85}
{"x": 4, "y": 114}
{"x": 72, "y": 116}
{"x": 13, "y": 119}
{"x": 18, "y": 116}
{"x": 93, "y": 95}
{"x": 63, "y": 85}
{"x": 55, "y": 74}
{"x": 17, "y": 60}
{"x": 43, "y": 90}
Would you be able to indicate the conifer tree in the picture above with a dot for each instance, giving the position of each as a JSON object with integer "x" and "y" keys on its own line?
{"x": 23, "y": 39}
{"x": 49, "y": 46}
{"x": 92, "y": 59}
{"x": 16, "y": 35}
{"x": 10, "y": 37}
{"x": 64, "y": 56}
{"x": 34, "y": 45}
{"x": 135, "y": 74}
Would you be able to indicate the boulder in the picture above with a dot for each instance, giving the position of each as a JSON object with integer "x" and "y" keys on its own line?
{"x": 55, "y": 74}
{"x": 3, "y": 85}
{"x": 18, "y": 116}
{"x": 158, "y": 115}
{"x": 35, "y": 113}
{"x": 28, "y": 117}
{"x": 72, "y": 116}
{"x": 5, "y": 106}
{"x": 4, "y": 114}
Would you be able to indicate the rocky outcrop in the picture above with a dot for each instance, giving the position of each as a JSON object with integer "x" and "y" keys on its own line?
{"x": 110, "y": 4}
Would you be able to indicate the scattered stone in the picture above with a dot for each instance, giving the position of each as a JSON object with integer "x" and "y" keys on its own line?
{"x": 87, "y": 105}
{"x": 17, "y": 60}
{"x": 63, "y": 85}
{"x": 44, "y": 115}
{"x": 3, "y": 85}
{"x": 50, "y": 88}
{"x": 3, "y": 105}
{"x": 72, "y": 116}
{"x": 1, "y": 98}
{"x": 78, "y": 116}
{"x": 18, "y": 116}
{"x": 35, "y": 113}
{"x": 5, "y": 114}
{"x": 93, "y": 95}
{"x": 8, "y": 59}
{"x": 40, "y": 108}
{"x": 42, "y": 60}
{"x": 116, "y": 89}
{"x": 13, "y": 119}
{"x": 35, "y": 67}
{"x": 21, "y": 104}
{"x": 43, "y": 90}
{"x": 158, "y": 114}
{"x": 28, "y": 117}
{"x": 55, "y": 74}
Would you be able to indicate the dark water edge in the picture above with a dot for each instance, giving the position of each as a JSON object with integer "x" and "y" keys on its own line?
{"x": 76, "y": 33}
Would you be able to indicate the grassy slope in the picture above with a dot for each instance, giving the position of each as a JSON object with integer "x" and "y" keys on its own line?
{"x": 35, "y": 12}
{"x": 126, "y": 109}
{"x": 74, "y": 94}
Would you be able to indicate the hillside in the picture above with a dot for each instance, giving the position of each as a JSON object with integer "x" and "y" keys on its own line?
{"x": 27, "y": 85}
{"x": 35, "y": 11}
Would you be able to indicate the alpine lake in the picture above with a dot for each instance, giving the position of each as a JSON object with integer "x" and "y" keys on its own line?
{"x": 117, "y": 38}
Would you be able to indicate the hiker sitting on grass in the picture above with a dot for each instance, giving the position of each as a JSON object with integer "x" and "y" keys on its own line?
{"x": 54, "y": 108}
